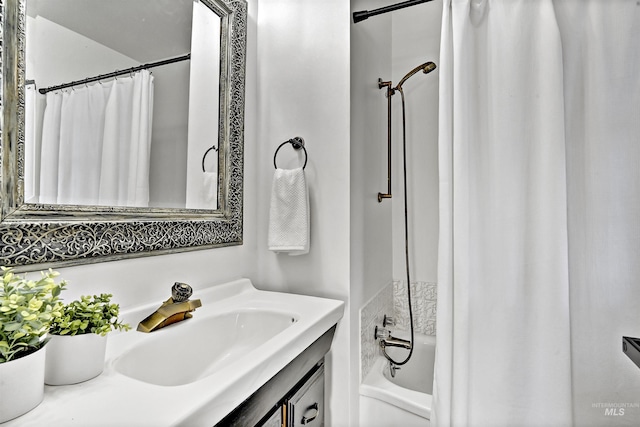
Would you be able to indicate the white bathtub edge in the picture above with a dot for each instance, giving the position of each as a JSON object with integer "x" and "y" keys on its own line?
{"x": 378, "y": 387}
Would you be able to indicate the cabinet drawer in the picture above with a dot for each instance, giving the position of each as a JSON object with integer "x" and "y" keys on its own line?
{"x": 306, "y": 406}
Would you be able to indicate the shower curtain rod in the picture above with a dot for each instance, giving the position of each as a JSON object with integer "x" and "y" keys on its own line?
{"x": 362, "y": 15}
{"x": 117, "y": 73}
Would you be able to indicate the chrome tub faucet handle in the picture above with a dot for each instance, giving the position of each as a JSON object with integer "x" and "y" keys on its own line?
{"x": 388, "y": 321}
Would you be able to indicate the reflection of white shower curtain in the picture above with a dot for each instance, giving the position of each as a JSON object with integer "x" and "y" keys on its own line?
{"x": 127, "y": 142}
{"x": 50, "y": 148}
{"x": 539, "y": 213}
{"x": 81, "y": 129}
{"x": 31, "y": 181}
{"x": 96, "y": 143}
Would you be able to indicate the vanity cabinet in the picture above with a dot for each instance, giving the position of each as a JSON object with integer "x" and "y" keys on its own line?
{"x": 293, "y": 397}
{"x": 275, "y": 420}
{"x": 304, "y": 406}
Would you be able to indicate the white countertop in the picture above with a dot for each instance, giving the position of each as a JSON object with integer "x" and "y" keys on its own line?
{"x": 113, "y": 399}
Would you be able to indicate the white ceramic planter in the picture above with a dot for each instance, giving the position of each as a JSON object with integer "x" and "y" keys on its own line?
{"x": 21, "y": 385}
{"x": 74, "y": 359}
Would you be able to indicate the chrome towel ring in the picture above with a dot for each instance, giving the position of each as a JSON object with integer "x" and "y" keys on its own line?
{"x": 205, "y": 156}
{"x": 297, "y": 143}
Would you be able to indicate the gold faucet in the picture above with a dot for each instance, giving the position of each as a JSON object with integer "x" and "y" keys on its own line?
{"x": 177, "y": 308}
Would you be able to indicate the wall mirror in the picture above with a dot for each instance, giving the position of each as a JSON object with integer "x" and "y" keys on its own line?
{"x": 122, "y": 129}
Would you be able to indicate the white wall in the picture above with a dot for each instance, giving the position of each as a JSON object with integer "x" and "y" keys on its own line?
{"x": 168, "y": 164}
{"x": 371, "y": 249}
{"x": 370, "y": 220}
{"x": 58, "y": 55}
{"x": 204, "y": 106}
{"x": 303, "y": 81}
{"x": 416, "y": 39}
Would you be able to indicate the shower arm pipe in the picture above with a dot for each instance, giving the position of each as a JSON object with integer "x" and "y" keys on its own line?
{"x": 390, "y": 92}
{"x": 364, "y": 14}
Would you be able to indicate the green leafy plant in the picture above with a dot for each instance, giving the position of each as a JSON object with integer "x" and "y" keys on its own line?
{"x": 89, "y": 315}
{"x": 27, "y": 308}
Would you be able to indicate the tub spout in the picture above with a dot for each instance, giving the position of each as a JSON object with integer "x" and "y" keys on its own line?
{"x": 395, "y": 342}
{"x": 388, "y": 340}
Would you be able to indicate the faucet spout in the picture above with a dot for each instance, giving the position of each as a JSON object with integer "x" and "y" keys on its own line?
{"x": 395, "y": 342}
{"x": 185, "y": 307}
{"x": 387, "y": 340}
{"x": 168, "y": 313}
{"x": 175, "y": 309}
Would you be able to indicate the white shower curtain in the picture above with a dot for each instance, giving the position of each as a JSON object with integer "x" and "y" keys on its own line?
{"x": 539, "y": 213}
{"x": 96, "y": 143}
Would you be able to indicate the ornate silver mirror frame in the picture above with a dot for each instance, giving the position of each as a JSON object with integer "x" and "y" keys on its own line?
{"x": 36, "y": 236}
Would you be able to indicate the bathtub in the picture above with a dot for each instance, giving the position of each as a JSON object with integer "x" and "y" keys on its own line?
{"x": 406, "y": 399}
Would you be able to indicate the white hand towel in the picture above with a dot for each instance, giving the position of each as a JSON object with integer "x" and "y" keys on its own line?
{"x": 210, "y": 190}
{"x": 289, "y": 212}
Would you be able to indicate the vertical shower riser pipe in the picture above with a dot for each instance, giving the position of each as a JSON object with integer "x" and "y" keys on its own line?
{"x": 390, "y": 92}
{"x": 392, "y": 361}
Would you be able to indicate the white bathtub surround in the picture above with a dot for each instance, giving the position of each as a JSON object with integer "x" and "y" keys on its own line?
{"x": 392, "y": 301}
{"x": 372, "y": 314}
{"x": 403, "y": 400}
{"x": 539, "y": 208}
{"x": 423, "y": 303}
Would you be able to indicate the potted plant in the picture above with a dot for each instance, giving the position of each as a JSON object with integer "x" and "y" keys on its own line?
{"x": 78, "y": 339}
{"x": 27, "y": 308}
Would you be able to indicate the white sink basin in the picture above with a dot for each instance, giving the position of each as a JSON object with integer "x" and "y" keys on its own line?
{"x": 193, "y": 349}
{"x": 194, "y": 372}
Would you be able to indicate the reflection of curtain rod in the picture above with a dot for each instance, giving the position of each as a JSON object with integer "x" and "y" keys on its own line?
{"x": 117, "y": 73}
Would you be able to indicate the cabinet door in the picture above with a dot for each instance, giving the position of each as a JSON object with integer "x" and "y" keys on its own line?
{"x": 275, "y": 420}
{"x": 306, "y": 406}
